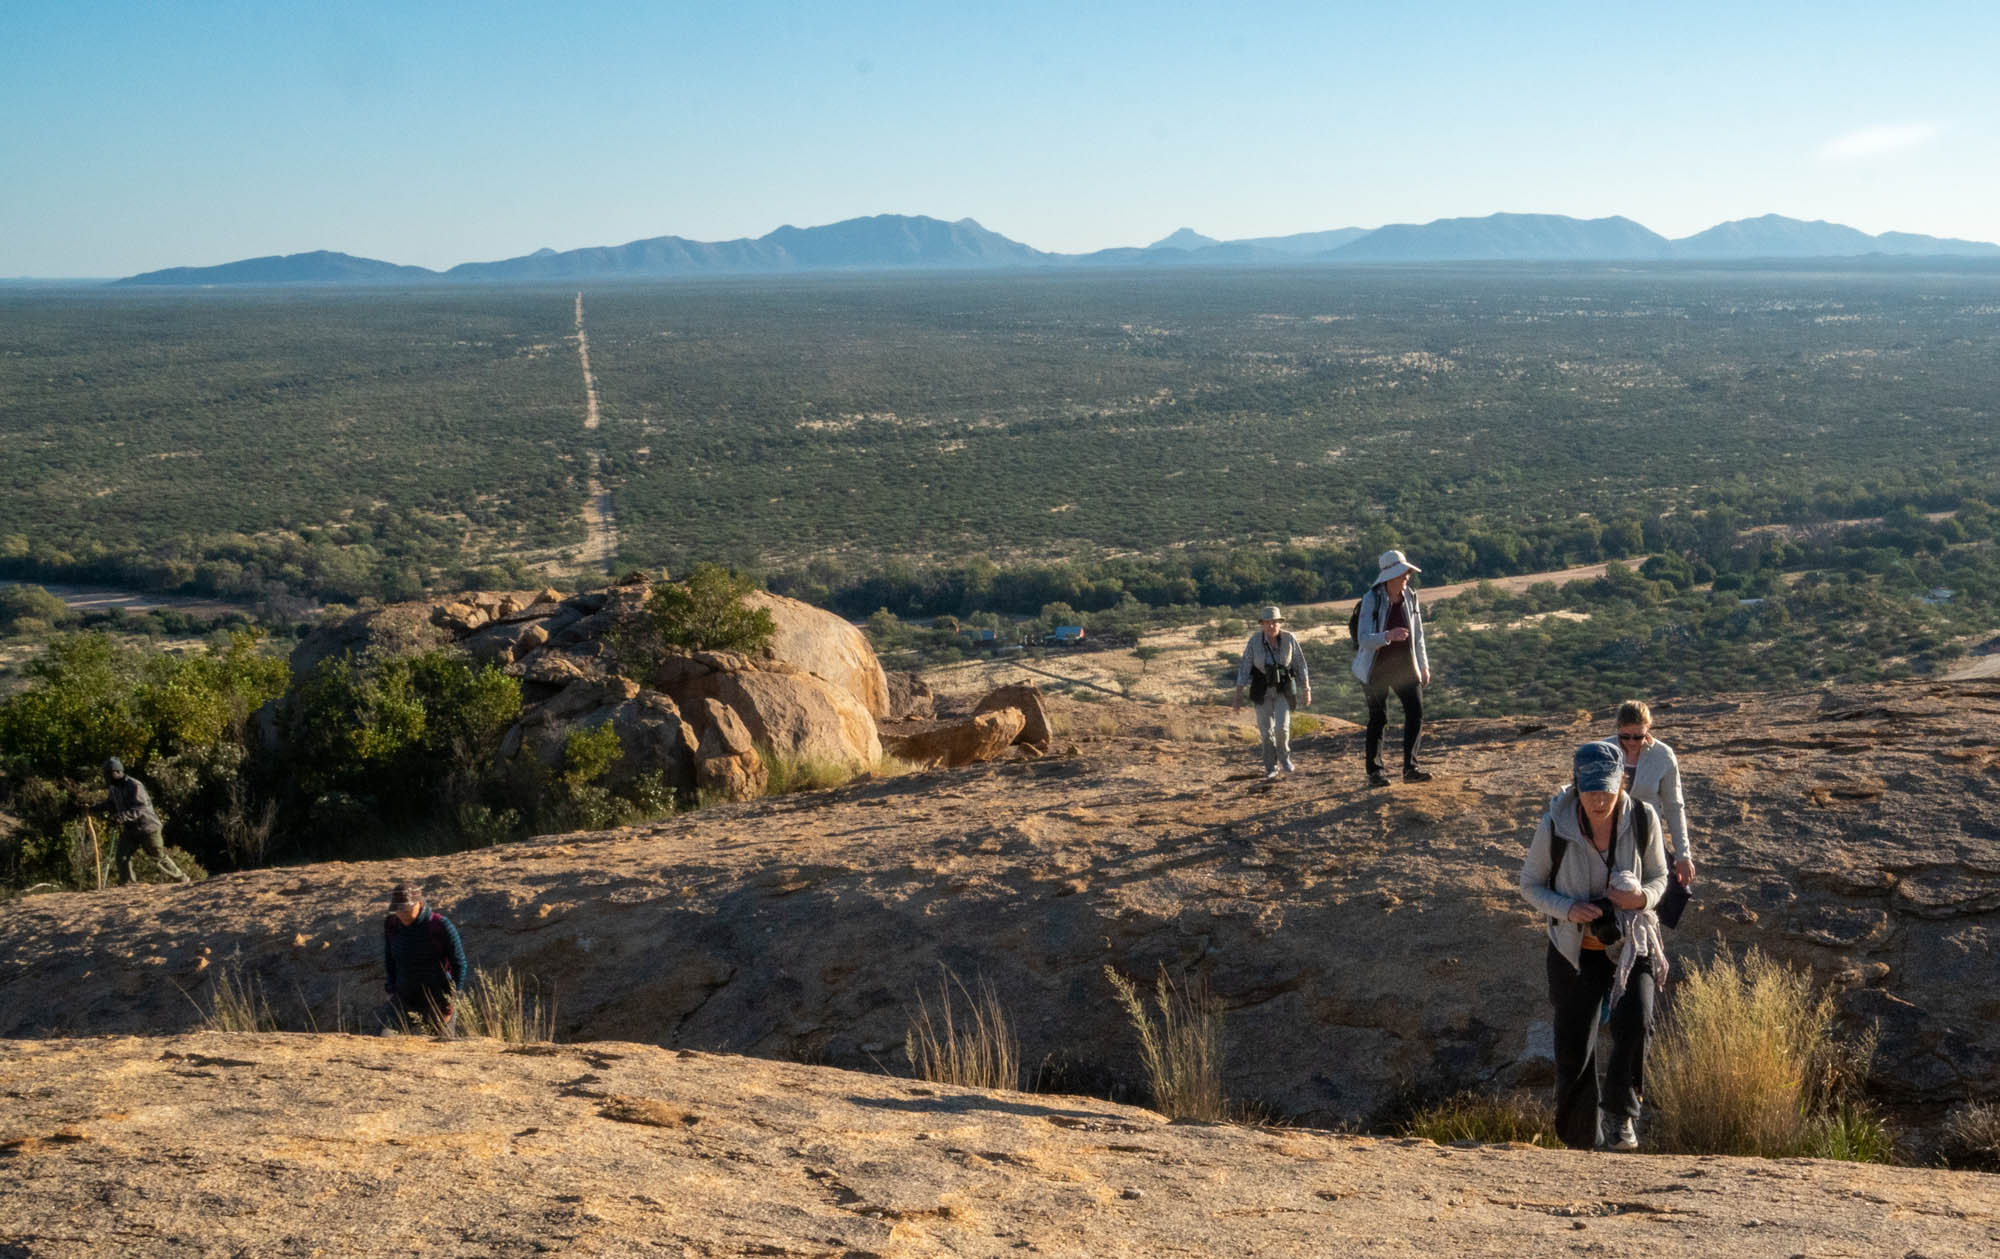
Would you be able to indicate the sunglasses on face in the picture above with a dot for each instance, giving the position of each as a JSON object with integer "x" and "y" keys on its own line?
{"x": 1631, "y": 738}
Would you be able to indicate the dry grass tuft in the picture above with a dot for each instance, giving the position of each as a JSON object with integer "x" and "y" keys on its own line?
{"x": 497, "y": 1005}
{"x": 647, "y": 1111}
{"x": 1182, "y": 1052}
{"x": 237, "y": 1003}
{"x": 977, "y": 1050}
{"x": 1746, "y": 1063}
{"x": 1971, "y": 1137}
{"x": 1486, "y": 1119}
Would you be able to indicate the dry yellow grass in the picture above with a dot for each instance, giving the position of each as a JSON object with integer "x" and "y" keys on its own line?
{"x": 978, "y": 1050}
{"x": 1182, "y": 1052}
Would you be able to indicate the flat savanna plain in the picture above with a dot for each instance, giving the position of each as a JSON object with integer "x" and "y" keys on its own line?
{"x": 353, "y": 443}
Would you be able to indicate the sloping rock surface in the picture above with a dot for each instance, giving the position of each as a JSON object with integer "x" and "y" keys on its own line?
{"x": 277, "y": 1145}
{"x": 1361, "y": 940}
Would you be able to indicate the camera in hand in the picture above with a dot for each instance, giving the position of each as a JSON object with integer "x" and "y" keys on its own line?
{"x": 1605, "y": 926}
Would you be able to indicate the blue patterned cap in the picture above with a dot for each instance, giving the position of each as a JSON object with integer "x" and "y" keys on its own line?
{"x": 1599, "y": 767}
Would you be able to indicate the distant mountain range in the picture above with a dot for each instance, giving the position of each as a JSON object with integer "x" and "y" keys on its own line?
{"x": 911, "y": 242}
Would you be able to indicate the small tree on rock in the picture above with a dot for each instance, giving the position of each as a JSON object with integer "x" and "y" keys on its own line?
{"x": 705, "y": 612}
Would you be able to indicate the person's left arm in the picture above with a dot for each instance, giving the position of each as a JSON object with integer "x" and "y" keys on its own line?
{"x": 458, "y": 967}
{"x": 1676, "y": 818}
{"x": 1417, "y": 650}
{"x": 1299, "y": 667}
{"x": 1652, "y": 857}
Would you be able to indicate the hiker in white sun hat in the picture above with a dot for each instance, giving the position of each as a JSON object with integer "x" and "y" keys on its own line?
{"x": 1390, "y": 656}
{"x": 1274, "y": 668}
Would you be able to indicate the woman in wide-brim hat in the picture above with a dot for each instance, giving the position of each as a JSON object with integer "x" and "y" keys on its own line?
{"x": 1390, "y": 657}
{"x": 1274, "y": 668}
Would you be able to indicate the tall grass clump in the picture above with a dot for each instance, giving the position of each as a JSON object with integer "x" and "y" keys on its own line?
{"x": 1182, "y": 1050}
{"x": 237, "y": 1004}
{"x": 788, "y": 774}
{"x": 1971, "y": 1138}
{"x": 1486, "y": 1119}
{"x": 1747, "y": 1063}
{"x": 497, "y": 1005}
{"x": 976, "y": 1048}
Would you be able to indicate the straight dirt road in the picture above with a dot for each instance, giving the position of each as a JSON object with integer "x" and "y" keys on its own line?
{"x": 600, "y": 551}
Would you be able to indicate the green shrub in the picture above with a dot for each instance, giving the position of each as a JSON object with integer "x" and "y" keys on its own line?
{"x": 1182, "y": 1051}
{"x": 705, "y": 612}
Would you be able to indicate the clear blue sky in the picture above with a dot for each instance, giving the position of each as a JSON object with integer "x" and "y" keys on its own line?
{"x": 142, "y": 134}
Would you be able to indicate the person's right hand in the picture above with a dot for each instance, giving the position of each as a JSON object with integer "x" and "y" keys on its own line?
{"x": 1398, "y": 635}
{"x": 1583, "y": 911}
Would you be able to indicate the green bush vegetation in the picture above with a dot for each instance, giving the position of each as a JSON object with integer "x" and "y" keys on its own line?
{"x": 1746, "y": 1062}
{"x": 1181, "y": 1050}
{"x": 704, "y": 612}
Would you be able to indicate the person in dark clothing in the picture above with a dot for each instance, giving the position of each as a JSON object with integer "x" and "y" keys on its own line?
{"x": 126, "y": 803}
{"x": 424, "y": 960}
{"x": 1390, "y": 656}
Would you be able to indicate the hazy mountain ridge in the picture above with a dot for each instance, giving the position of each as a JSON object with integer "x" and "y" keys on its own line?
{"x": 895, "y": 241}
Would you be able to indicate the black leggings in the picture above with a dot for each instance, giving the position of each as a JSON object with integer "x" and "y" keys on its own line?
{"x": 1411, "y": 693}
{"x": 1577, "y": 995}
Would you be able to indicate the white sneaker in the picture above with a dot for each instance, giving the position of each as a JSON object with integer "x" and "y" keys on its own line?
{"x": 1288, "y": 767}
{"x": 1622, "y": 1136}
{"x": 1270, "y": 773}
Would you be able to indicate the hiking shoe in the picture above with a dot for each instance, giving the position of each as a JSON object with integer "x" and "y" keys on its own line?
{"x": 1270, "y": 773}
{"x": 1288, "y": 767}
{"x": 1376, "y": 778}
{"x": 1411, "y": 774}
{"x": 1622, "y": 1136}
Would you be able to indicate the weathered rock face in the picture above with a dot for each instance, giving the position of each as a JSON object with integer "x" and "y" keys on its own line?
{"x": 727, "y": 764}
{"x": 953, "y": 743}
{"x": 816, "y": 641}
{"x": 910, "y": 698}
{"x": 1027, "y": 701}
{"x": 649, "y": 728}
{"x": 1359, "y": 939}
{"x": 279, "y": 1145}
{"x": 798, "y": 714}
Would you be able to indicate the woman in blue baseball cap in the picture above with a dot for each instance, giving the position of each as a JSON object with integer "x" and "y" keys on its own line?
{"x": 1594, "y": 838}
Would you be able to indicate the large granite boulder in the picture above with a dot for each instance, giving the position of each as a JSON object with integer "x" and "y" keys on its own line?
{"x": 818, "y": 642}
{"x": 794, "y": 714}
{"x": 648, "y": 724}
{"x": 1025, "y": 699}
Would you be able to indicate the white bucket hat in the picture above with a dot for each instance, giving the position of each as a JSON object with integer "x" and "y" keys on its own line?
{"x": 1271, "y": 612}
{"x": 1392, "y": 563}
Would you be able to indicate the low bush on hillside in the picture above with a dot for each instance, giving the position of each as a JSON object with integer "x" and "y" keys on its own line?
{"x": 1746, "y": 1062}
{"x": 1182, "y": 1049}
{"x": 964, "y": 1037}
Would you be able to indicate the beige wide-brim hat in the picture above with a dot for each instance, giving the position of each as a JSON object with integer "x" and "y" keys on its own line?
{"x": 1271, "y": 612}
{"x": 1392, "y": 564}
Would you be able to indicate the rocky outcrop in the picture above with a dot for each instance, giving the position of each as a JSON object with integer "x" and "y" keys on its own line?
{"x": 910, "y": 698}
{"x": 951, "y": 743}
{"x": 1363, "y": 942}
{"x": 798, "y": 714}
{"x": 814, "y": 694}
{"x": 813, "y": 640}
{"x": 221, "y": 1144}
{"x": 1026, "y": 700}
{"x": 727, "y": 764}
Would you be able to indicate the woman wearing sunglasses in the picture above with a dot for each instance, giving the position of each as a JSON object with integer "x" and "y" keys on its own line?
{"x": 1653, "y": 774}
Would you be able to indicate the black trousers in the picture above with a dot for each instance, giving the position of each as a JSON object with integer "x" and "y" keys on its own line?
{"x": 1411, "y": 693}
{"x": 1577, "y": 996}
